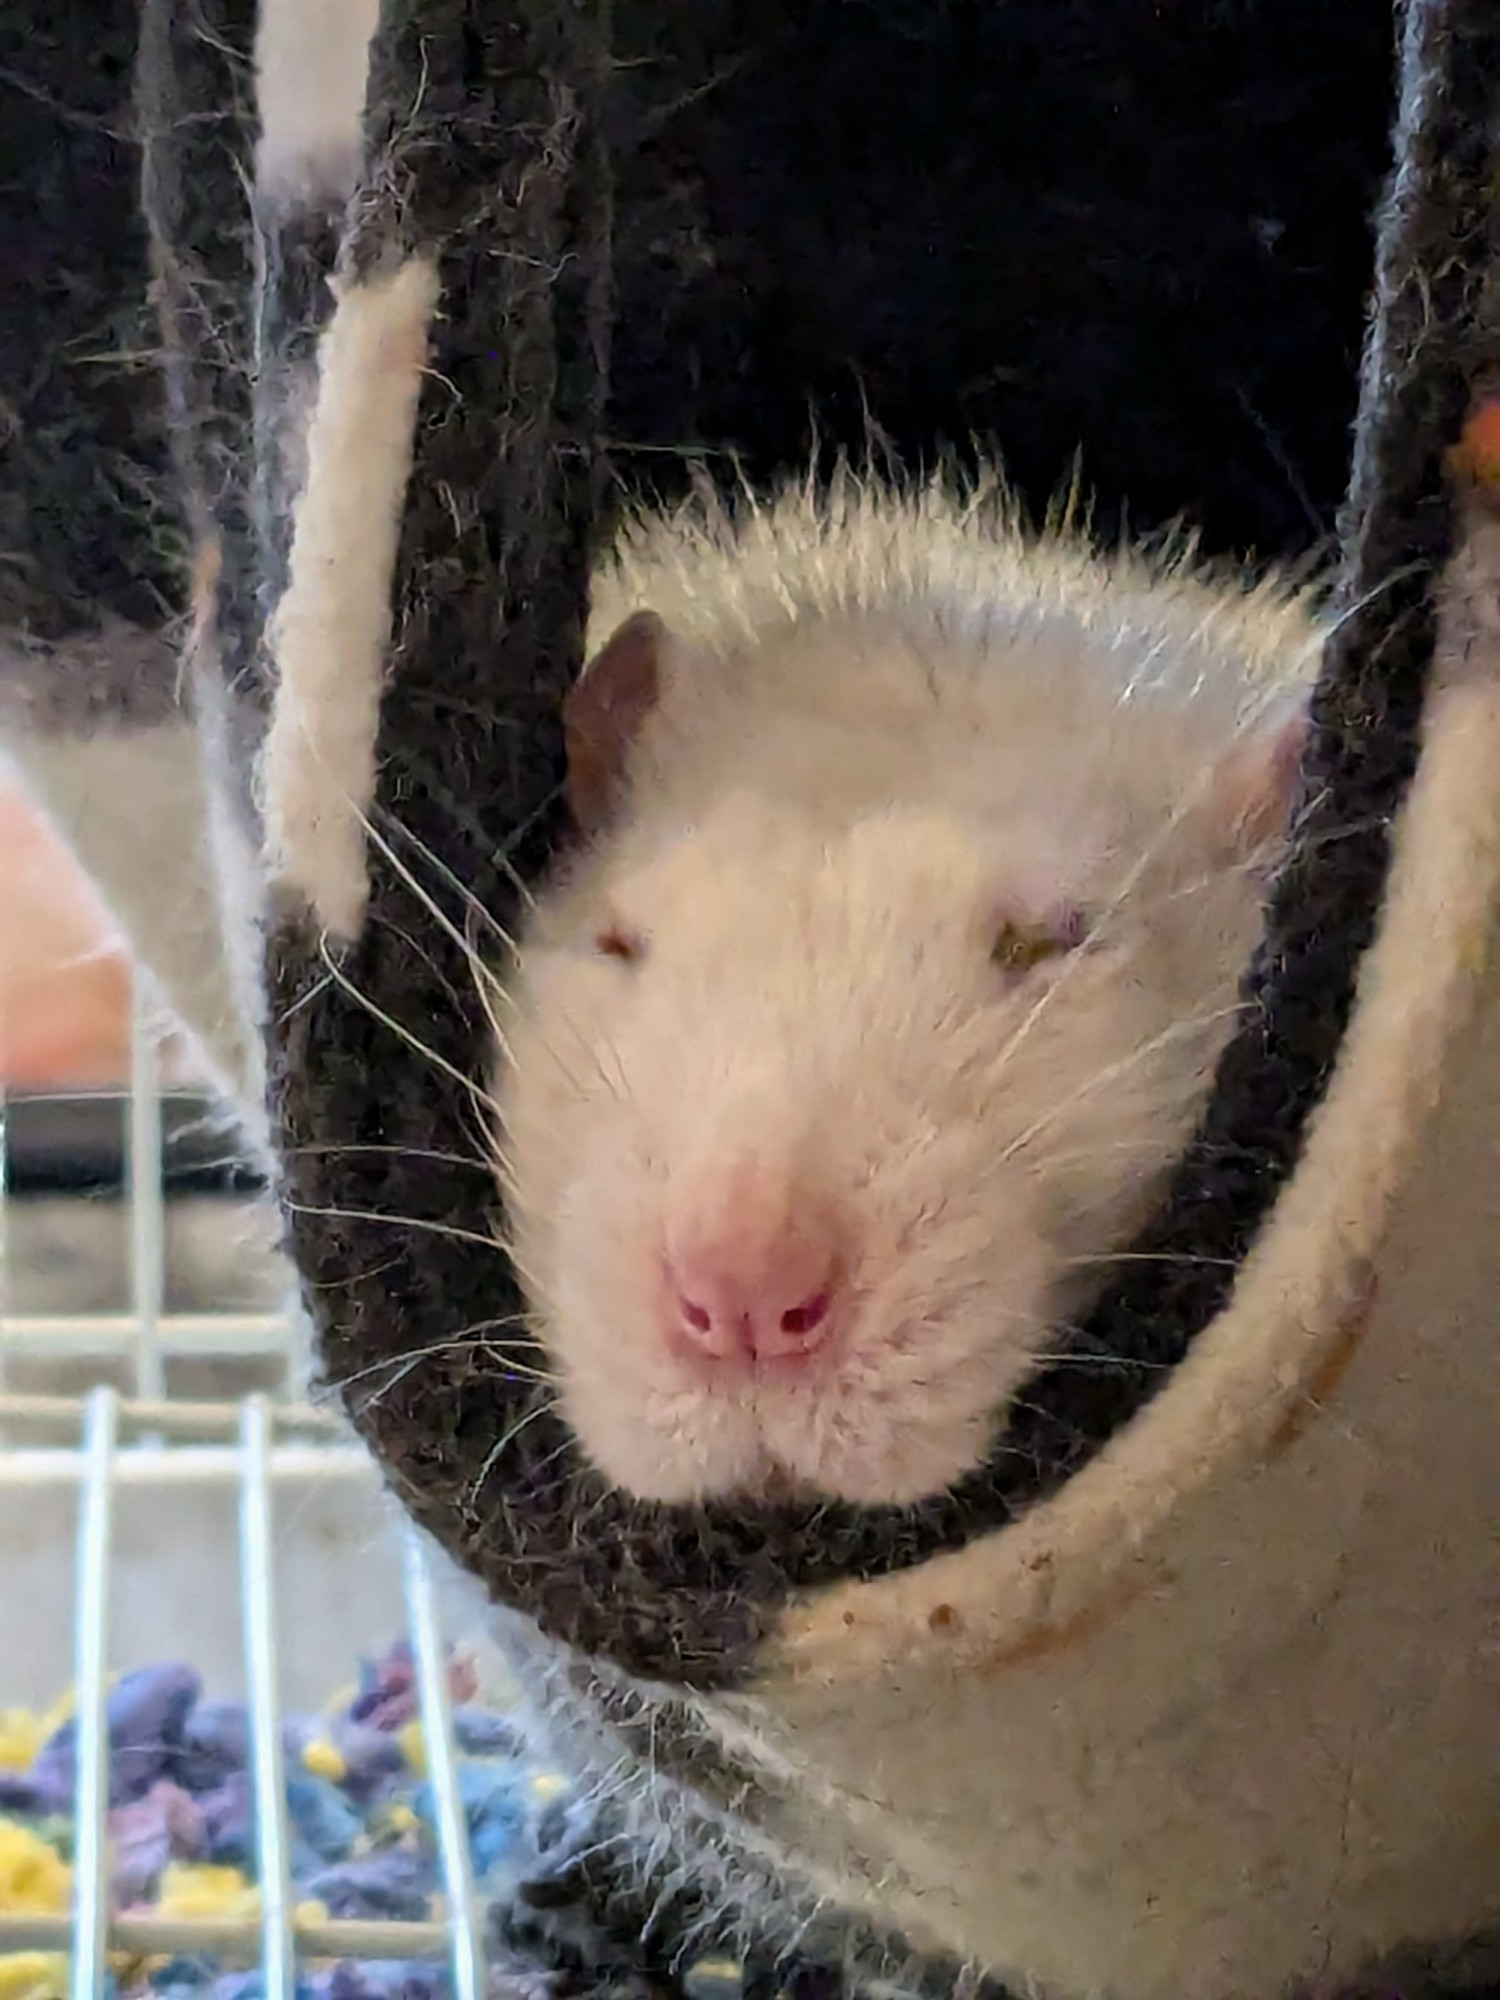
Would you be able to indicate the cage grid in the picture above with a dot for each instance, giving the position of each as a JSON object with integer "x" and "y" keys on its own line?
{"x": 145, "y": 1335}
{"x": 107, "y": 1443}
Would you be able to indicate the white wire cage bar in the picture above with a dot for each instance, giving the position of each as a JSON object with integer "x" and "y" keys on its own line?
{"x": 143, "y": 1335}
{"x": 107, "y": 1446}
{"x": 144, "y": 1193}
{"x": 276, "y": 1938}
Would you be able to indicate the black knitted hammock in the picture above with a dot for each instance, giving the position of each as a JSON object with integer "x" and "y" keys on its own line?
{"x": 501, "y": 177}
{"x": 472, "y": 226}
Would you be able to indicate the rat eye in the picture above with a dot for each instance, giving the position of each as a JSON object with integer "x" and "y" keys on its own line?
{"x": 1019, "y": 947}
{"x": 615, "y": 941}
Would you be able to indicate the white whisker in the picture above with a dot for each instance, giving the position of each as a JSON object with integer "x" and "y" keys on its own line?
{"x": 404, "y": 1034}
{"x": 446, "y": 1229}
{"x": 501, "y": 1446}
{"x": 424, "y": 895}
{"x": 1111, "y": 1072}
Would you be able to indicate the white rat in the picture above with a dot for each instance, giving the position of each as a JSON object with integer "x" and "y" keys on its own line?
{"x": 922, "y": 860}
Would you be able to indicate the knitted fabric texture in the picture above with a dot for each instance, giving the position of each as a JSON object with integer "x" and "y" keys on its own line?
{"x": 489, "y": 596}
{"x": 377, "y": 1035}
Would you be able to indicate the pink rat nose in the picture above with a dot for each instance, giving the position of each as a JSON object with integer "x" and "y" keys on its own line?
{"x": 741, "y": 1292}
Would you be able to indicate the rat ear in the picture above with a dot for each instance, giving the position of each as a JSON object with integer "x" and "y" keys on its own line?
{"x": 603, "y": 713}
{"x": 1255, "y": 786}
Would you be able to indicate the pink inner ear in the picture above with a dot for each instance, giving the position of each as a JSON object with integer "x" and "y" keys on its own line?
{"x": 1257, "y": 783}
{"x": 1069, "y": 924}
{"x": 604, "y": 711}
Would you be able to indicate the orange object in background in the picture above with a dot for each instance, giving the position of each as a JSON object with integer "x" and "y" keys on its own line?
{"x": 1476, "y": 456}
{"x": 64, "y": 974}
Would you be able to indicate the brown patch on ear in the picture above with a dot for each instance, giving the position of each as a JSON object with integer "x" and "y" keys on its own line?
{"x": 603, "y": 713}
{"x": 1255, "y": 786}
{"x": 1328, "y": 1374}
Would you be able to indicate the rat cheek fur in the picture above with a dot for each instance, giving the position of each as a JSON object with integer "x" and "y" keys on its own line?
{"x": 659, "y": 1443}
{"x": 644, "y": 1433}
{"x": 1099, "y": 1087}
{"x": 644, "y": 1427}
{"x": 945, "y": 1331}
{"x": 557, "y": 1092}
{"x": 898, "y": 1426}
{"x": 953, "y": 1309}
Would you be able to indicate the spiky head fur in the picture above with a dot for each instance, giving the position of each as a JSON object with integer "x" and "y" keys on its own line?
{"x": 893, "y": 730}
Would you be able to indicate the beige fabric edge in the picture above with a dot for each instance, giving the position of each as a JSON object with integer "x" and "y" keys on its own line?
{"x": 311, "y": 60}
{"x": 1253, "y": 1371}
{"x": 329, "y": 634}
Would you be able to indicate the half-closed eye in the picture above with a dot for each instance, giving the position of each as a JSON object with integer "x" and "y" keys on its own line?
{"x": 1021, "y": 945}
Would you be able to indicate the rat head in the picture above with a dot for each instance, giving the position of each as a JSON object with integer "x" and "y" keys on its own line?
{"x": 887, "y": 981}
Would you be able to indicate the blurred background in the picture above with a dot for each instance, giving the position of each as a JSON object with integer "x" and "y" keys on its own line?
{"x": 77, "y": 1267}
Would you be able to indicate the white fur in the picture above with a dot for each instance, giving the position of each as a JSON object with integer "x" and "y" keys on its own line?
{"x": 311, "y": 60}
{"x": 1225, "y": 1713}
{"x": 331, "y": 628}
{"x": 888, "y": 726}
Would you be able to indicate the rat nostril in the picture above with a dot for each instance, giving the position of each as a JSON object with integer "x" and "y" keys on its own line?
{"x": 699, "y": 1318}
{"x": 809, "y": 1315}
{"x": 736, "y": 1295}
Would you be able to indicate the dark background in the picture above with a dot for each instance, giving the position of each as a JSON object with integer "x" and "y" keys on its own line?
{"x": 1136, "y": 230}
